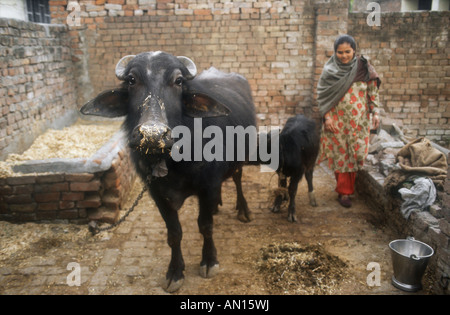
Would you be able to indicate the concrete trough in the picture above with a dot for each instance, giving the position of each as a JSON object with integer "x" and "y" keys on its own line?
{"x": 74, "y": 190}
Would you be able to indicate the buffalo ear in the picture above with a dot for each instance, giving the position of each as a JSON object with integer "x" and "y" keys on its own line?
{"x": 109, "y": 103}
{"x": 200, "y": 105}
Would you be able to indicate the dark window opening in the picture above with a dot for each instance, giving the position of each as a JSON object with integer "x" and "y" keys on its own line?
{"x": 38, "y": 11}
{"x": 425, "y": 5}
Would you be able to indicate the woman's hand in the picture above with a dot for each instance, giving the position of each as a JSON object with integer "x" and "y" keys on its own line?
{"x": 329, "y": 125}
{"x": 375, "y": 121}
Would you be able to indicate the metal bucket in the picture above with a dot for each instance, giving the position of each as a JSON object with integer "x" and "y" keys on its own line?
{"x": 409, "y": 259}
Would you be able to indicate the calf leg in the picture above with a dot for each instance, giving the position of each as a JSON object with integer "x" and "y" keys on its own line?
{"x": 209, "y": 266}
{"x": 311, "y": 195}
{"x": 169, "y": 212}
{"x": 293, "y": 185}
{"x": 244, "y": 214}
{"x": 282, "y": 183}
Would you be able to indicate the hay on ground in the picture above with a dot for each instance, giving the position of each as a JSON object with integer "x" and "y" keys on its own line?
{"x": 291, "y": 268}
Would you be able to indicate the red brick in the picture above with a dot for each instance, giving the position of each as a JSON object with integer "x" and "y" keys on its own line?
{"x": 47, "y": 215}
{"x": 111, "y": 201}
{"x": 52, "y": 178}
{"x": 68, "y": 214}
{"x": 202, "y": 12}
{"x": 72, "y": 196}
{"x": 112, "y": 183}
{"x": 89, "y": 186}
{"x": 21, "y": 180}
{"x": 66, "y": 204}
{"x": 64, "y": 186}
{"x": 49, "y": 206}
{"x": 82, "y": 177}
{"x": 90, "y": 202}
{"x": 6, "y": 190}
{"x": 47, "y": 197}
{"x": 18, "y": 199}
{"x": 22, "y": 189}
{"x": 55, "y": 2}
{"x": 30, "y": 207}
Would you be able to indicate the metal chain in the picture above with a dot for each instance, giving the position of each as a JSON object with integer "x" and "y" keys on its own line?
{"x": 95, "y": 229}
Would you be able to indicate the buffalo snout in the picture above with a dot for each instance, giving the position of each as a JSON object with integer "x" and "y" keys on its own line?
{"x": 151, "y": 138}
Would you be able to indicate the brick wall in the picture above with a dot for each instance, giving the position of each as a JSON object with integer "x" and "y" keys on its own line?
{"x": 270, "y": 42}
{"x": 37, "y": 87}
{"x": 280, "y": 46}
{"x": 411, "y": 53}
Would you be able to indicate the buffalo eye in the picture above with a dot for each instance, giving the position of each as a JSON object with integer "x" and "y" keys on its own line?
{"x": 179, "y": 81}
{"x": 131, "y": 80}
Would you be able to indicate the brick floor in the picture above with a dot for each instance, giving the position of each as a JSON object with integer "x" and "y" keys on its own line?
{"x": 133, "y": 258}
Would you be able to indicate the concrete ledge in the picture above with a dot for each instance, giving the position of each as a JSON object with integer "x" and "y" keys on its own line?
{"x": 99, "y": 162}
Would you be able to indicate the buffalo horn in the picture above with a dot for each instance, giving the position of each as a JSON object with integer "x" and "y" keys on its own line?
{"x": 189, "y": 64}
{"x": 122, "y": 65}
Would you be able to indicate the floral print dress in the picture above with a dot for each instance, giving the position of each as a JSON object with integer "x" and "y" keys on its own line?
{"x": 346, "y": 150}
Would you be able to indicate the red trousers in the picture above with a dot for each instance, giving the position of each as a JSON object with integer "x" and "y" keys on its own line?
{"x": 345, "y": 183}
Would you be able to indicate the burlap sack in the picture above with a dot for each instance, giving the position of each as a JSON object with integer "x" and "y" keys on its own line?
{"x": 419, "y": 158}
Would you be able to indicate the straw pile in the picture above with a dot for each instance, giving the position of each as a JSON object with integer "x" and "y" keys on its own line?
{"x": 77, "y": 141}
{"x": 291, "y": 268}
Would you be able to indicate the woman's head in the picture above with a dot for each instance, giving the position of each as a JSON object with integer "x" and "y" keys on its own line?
{"x": 345, "y": 48}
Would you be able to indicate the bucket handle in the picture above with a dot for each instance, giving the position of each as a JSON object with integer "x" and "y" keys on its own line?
{"x": 414, "y": 257}
{"x": 410, "y": 238}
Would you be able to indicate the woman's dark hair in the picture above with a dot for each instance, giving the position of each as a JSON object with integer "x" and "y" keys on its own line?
{"x": 344, "y": 39}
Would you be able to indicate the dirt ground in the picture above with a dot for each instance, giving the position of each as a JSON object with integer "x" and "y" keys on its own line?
{"x": 133, "y": 258}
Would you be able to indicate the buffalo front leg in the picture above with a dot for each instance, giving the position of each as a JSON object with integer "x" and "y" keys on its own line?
{"x": 174, "y": 276}
{"x": 209, "y": 266}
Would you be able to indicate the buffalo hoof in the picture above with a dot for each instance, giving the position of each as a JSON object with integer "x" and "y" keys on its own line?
{"x": 312, "y": 199}
{"x": 276, "y": 209}
{"x": 245, "y": 217}
{"x": 292, "y": 217}
{"x": 209, "y": 272}
{"x": 171, "y": 286}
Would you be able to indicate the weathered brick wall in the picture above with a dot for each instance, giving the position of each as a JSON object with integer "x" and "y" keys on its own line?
{"x": 269, "y": 42}
{"x": 37, "y": 85}
{"x": 280, "y": 46}
{"x": 411, "y": 53}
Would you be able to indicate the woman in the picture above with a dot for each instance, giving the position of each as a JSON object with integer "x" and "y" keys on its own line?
{"x": 347, "y": 95}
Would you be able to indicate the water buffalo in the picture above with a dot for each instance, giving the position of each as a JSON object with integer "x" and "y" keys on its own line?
{"x": 299, "y": 147}
{"x": 164, "y": 99}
